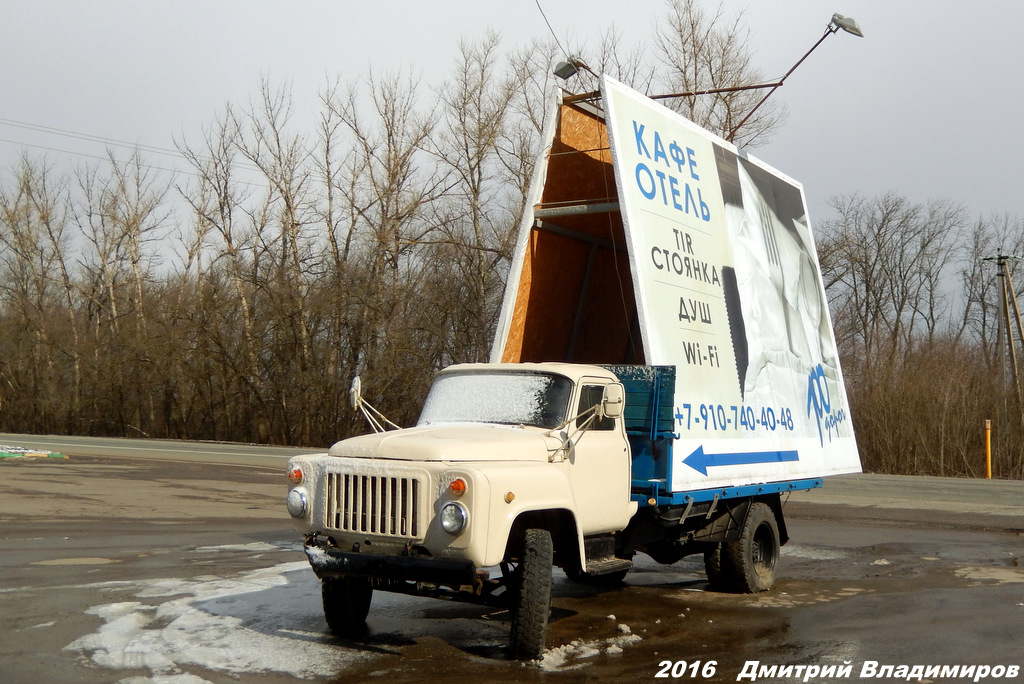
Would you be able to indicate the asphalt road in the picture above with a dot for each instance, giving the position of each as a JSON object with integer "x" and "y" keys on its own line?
{"x": 150, "y": 561}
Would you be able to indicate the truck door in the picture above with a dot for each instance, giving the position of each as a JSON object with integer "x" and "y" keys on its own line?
{"x": 599, "y": 467}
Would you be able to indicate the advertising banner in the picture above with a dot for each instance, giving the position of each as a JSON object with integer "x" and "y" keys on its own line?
{"x": 728, "y": 290}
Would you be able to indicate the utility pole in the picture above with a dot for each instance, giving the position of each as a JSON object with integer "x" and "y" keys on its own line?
{"x": 1008, "y": 300}
{"x": 1009, "y": 313}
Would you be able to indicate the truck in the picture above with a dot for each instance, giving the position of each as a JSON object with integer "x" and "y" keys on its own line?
{"x": 664, "y": 373}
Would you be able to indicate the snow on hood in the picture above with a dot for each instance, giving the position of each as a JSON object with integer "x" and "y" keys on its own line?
{"x": 453, "y": 442}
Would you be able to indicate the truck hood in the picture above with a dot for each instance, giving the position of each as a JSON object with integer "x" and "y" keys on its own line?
{"x": 453, "y": 442}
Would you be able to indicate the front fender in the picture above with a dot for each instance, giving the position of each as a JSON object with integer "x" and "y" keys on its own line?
{"x": 522, "y": 488}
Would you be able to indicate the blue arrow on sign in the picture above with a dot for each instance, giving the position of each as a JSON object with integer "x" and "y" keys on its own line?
{"x": 700, "y": 461}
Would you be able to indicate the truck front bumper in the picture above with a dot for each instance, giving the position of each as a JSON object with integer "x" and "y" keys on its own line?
{"x": 329, "y": 561}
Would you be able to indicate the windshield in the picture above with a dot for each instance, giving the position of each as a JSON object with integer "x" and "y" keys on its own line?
{"x": 539, "y": 399}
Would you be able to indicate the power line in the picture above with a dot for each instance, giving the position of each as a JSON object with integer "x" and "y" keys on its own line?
{"x": 559, "y": 44}
{"x": 95, "y": 156}
{"x": 88, "y": 137}
{"x": 86, "y": 154}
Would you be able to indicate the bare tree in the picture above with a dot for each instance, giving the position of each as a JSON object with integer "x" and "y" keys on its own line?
{"x": 979, "y": 282}
{"x": 627, "y": 65}
{"x": 886, "y": 260}
{"x": 286, "y": 164}
{"x": 218, "y": 202}
{"x": 387, "y": 186}
{"x": 474, "y": 219}
{"x": 700, "y": 50}
{"x": 33, "y": 251}
{"x": 119, "y": 214}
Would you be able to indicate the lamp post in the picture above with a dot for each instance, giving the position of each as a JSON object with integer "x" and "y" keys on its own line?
{"x": 569, "y": 68}
{"x": 838, "y": 22}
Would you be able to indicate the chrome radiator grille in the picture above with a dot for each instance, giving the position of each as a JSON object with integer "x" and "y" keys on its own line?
{"x": 374, "y": 504}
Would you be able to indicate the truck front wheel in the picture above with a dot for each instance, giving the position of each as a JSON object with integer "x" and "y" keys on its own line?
{"x": 346, "y": 604}
{"x": 533, "y": 596}
{"x": 748, "y": 564}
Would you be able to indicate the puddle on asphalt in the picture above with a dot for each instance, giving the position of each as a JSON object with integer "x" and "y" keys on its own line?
{"x": 978, "y": 575}
{"x": 76, "y": 561}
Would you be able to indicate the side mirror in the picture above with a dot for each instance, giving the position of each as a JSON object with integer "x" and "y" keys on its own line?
{"x": 614, "y": 401}
{"x": 355, "y": 393}
{"x": 376, "y": 419}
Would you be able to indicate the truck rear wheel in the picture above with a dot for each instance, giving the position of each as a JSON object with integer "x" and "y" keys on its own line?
{"x": 346, "y": 604}
{"x": 533, "y": 596}
{"x": 748, "y": 564}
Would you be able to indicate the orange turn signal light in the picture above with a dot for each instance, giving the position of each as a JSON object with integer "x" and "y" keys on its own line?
{"x": 457, "y": 486}
{"x": 295, "y": 476}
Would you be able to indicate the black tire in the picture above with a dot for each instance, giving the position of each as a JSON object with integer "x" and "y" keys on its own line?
{"x": 346, "y": 604}
{"x": 713, "y": 567}
{"x": 749, "y": 562}
{"x": 533, "y": 597}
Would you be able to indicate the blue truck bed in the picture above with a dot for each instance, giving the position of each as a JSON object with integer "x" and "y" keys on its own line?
{"x": 649, "y": 422}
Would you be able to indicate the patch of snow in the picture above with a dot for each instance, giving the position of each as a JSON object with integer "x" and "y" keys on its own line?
{"x": 254, "y": 547}
{"x": 166, "y": 679}
{"x": 43, "y": 625}
{"x": 270, "y": 621}
{"x": 229, "y": 624}
{"x": 811, "y": 553}
{"x": 568, "y": 656}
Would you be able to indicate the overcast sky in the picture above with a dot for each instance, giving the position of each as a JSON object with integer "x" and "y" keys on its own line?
{"x": 927, "y": 104}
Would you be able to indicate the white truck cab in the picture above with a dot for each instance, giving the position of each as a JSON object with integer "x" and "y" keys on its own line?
{"x": 494, "y": 441}
{"x": 499, "y": 449}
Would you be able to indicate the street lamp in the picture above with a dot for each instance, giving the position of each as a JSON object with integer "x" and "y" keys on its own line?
{"x": 838, "y": 22}
{"x": 567, "y": 69}
{"x": 847, "y": 24}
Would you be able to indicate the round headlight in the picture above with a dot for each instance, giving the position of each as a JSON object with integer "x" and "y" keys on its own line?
{"x": 296, "y": 503}
{"x": 453, "y": 518}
